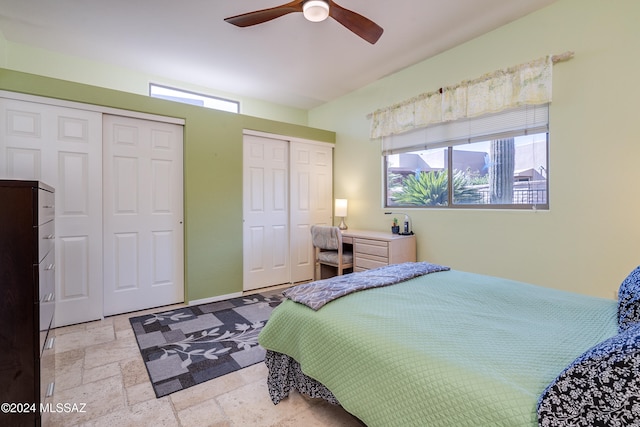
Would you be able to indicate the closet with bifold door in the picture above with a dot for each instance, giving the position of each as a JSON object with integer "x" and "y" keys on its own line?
{"x": 287, "y": 187}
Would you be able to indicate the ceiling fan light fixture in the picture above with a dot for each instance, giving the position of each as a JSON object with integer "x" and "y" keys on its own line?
{"x": 315, "y": 10}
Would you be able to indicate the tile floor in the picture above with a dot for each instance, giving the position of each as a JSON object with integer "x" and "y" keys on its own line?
{"x": 98, "y": 364}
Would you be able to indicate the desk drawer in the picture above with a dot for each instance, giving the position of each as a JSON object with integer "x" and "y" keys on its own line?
{"x": 370, "y": 262}
{"x": 372, "y": 247}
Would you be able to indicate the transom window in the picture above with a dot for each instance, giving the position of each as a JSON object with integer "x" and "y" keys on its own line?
{"x": 179, "y": 95}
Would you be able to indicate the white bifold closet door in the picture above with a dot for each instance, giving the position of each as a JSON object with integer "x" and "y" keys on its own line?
{"x": 287, "y": 187}
{"x": 143, "y": 214}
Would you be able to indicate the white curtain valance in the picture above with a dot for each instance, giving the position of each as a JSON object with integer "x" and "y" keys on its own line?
{"x": 524, "y": 84}
{"x": 523, "y": 120}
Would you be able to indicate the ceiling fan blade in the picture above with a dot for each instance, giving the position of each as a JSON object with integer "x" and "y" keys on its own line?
{"x": 264, "y": 15}
{"x": 358, "y": 24}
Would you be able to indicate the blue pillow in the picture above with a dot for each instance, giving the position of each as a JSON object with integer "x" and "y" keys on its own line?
{"x": 600, "y": 388}
{"x": 629, "y": 301}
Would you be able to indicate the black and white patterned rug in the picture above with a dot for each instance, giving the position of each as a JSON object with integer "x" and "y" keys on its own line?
{"x": 189, "y": 345}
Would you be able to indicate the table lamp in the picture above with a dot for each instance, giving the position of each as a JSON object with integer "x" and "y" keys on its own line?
{"x": 341, "y": 211}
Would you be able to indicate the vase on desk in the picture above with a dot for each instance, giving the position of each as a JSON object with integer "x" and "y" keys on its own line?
{"x": 395, "y": 229}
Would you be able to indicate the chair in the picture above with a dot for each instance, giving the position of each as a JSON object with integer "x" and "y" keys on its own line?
{"x": 327, "y": 244}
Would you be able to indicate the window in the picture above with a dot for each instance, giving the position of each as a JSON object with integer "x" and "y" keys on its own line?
{"x": 499, "y": 161}
{"x": 179, "y": 95}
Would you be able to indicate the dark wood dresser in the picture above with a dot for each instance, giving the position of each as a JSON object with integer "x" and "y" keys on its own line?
{"x": 27, "y": 300}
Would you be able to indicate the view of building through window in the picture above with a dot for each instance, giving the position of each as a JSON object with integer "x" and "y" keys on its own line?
{"x": 186, "y": 97}
{"x": 504, "y": 173}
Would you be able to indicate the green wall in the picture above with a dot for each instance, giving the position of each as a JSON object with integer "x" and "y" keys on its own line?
{"x": 212, "y": 173}
{"x": 589, "y": 239}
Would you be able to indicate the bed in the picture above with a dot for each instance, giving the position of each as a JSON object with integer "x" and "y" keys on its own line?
{"x": 451, "y": 348}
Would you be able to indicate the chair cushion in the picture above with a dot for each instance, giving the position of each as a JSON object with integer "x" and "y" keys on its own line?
{"x": 325, "y": 237}
{"x": 331, "y": 257}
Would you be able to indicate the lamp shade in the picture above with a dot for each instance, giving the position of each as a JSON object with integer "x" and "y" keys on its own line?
{"x": 315, "y": 10}
{"x": 341, "y": 207}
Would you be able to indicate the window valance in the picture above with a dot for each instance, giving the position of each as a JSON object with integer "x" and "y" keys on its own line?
{"x": 524, "y": 84}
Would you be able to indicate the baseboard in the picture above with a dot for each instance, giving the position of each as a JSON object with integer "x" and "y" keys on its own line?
{"x": 243, "y": 293}
{"x": 215, "y": 299}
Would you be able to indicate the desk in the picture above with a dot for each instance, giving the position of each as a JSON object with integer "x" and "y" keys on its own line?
{"x": 372, "y": 249}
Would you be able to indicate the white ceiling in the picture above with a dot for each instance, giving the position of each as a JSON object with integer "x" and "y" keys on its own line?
{"x": 288, "y": 61}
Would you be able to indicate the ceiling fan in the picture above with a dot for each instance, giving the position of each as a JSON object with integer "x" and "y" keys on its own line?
{"x": 315, "y": 11}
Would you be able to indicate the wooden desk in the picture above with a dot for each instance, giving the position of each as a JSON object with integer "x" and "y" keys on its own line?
{"x": 372, "y": 249}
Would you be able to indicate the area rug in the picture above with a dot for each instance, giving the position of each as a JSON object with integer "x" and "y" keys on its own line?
{"x": 190, "y": 345}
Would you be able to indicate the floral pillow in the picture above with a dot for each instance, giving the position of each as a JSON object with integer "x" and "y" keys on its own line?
{"x": 600, "y": 388}
{"x": 629, "y": 301}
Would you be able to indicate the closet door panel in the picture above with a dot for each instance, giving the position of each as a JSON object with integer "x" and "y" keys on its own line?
{"x": 63, "y": 148}
{"x": 125, "y": 254}
{"x": 143, "y": 214}
{"x": 311, "y": 201}
{"x": 265, "y": 212}
{"x": 22, "y": 163}
{"x": 77, "y": 167}
{"x": 74, "y": 269}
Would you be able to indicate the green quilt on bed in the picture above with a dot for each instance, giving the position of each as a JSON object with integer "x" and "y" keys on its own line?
{"x": 445, "y": 349}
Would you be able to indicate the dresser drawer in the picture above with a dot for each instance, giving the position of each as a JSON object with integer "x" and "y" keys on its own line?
{"x": 47, "y": 290}
{"x": 46, "y": 239}
{"x": 372, "y": 247}
{"x": 45, "y": 338}
{"x": 46, "y": 276}
{"x": 46, "y": 206}
{"x": 47, "y": 375}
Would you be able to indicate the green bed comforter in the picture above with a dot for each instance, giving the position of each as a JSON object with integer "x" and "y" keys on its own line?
{"x": 444, "y": 349}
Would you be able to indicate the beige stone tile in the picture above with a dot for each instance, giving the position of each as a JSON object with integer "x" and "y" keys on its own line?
{"x": 250, "y": 405}
{"x": 67, "y": 380}
{"x": 134, "y": 371}
{"x": 121, "y": 322}
{"x": 100, "y": 397}
{"x": 157, "y": 412}
{"x": 125, "y": 333}
{"x": 65, "y": 359}
{"x": 130, "y": 339}
{"x": 152, "y": 310}
{"x": 139, "y": 393}
{"x": 68, "y": 369}
{"x": 320, "y": 414}
{"x": 204, "y": 414}
{"x": 257, "y": 372}
{"x": 84, "y": 338}
{"x": 197, "y": 394}
{"x": 70, "y": 329}
{"x": 100, "y": 323}
{"x": 100, "y": 372}
{"x": 115, "y": 351}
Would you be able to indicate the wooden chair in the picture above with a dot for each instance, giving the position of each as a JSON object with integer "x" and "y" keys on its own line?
{"x": 327, "y": 244}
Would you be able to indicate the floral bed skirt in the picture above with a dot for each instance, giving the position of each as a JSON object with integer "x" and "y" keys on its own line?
{"x": 285, "y": 374}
